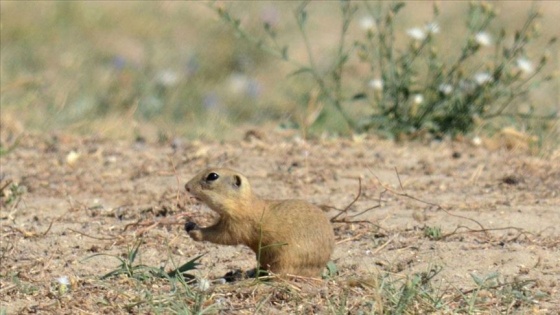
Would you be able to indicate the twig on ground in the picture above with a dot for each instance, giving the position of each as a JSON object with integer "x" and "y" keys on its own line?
{"x": 300, "y": 278}
{"x": 436, "y": 205}
{"x": 29, "y": 234}
{"x": 345, "y": 210}
{"x": 95, "y": 237}
{"x": 520, "y": 230}
{"x": 462, "y": 293}
{"x": 350, "y": 238}
{"x": 8, "y": 182}
{"x": 378, "y": 249}
{"x": 440, "y": 207}
{"x": 336, "y": 219}
{"x": 176, "y": 177}
{"x": 150, "y": 224}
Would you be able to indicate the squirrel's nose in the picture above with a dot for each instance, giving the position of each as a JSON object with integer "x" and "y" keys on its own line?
{"x": 187, "y": 187}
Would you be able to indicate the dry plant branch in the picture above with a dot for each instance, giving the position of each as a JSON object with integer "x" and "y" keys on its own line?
{"x": 344, "y": 211}
{"x": 176, "y": 177}
{"x": 436, "y": 205}
{"x": 150, "y": 224}
{"x": 29, "y": 234}
{"x": 355, "y": 237}
{"x": 440, "y": 207}
{"x": 95, "y": 237}
{"x": 455, "y": 232}
{"x": 500, "y": 285}
{"x": 8, "y": 182}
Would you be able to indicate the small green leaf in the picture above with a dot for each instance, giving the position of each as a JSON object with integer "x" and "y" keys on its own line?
{"x": 397, "y": 7}
{"x": 359, "y": 96}
{"x": 302, "y": 17}
{"x": 479, "y": 281}
{"x": 285, "y": 53}
{"x": 300, "y": 71}
{"x": 189, "y": 265}
{"x": 332, "y": 269}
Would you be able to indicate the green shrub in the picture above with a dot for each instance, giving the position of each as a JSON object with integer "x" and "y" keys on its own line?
{"x": 420, "y": 87}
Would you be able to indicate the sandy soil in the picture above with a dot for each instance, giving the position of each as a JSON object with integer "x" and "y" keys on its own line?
{"x": 498, "y": 210}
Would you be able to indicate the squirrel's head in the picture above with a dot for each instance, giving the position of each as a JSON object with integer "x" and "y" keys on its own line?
{"x": 222, "y": 189}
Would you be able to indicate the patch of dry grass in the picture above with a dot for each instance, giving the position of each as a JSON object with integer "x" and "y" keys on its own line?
{"x": 381, "y": 293}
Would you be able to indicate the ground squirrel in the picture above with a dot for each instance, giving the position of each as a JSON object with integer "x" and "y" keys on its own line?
{"x": 288, "y": 236}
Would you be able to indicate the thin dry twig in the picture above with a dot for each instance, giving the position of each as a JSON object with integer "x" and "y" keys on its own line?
{"x": 7, "y": 288}
{"x": 378, "y": 249}
{"x": 176, "y": 177}
{"x": 345, "y": 210}
{"x": 355, "y": 237}
{"x": 336, "y": 219}
{"x": 520, "y": 230}
{"x": 436, "y": 205}
{"x": 29, "y": 234}
{"x": 8, "y": 182}
{"x": 440, "y": 207}
{"x": 500, "y": 285}
{"x": 150, "y": 224}
{"x": 300, "y": 278}
{"x": 95, "y": 237}
{"x": 48, "y": 229}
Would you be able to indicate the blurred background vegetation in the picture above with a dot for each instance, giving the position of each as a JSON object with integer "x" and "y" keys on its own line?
{"x": 166, "y": 69}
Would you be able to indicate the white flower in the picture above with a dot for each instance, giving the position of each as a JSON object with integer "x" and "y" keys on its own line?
{"x": 432, "y": 28}
{"x": 418, "y": 99}
{"x": 445, "y": 88}
{"x": 63, "y": 280}
{"x": 203, "y": 284}
{"x": 483, "y": 78}
{"x": 376, "y": 84}
{"x": 367, "y": 23}
{"x": 525, "y": 65}
{"x": 477, "y": 141}
{"x": 72, "y": 157}
{"x": 238, "y": 83}
{"x": 167, "y": 78}
{"x": 483, "y": 39}
{"x": 63, "y": 284}
{"x": 416, "y": 33}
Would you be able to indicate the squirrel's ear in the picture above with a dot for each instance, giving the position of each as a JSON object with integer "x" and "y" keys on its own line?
{"x": 237, "y": 181}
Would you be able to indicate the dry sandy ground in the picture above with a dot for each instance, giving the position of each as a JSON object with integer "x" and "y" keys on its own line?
{"x": 498, "y": 210}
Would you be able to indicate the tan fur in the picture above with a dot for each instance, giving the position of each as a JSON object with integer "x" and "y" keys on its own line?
{"x": 288, "y": 236}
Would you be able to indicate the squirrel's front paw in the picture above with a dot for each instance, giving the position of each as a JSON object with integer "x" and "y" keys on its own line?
{"x": 189, "y": 226}
{"x": 194, "y": 231}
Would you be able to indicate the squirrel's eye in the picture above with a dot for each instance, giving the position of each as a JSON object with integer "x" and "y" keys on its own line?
{"x": 212, "y": 177}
